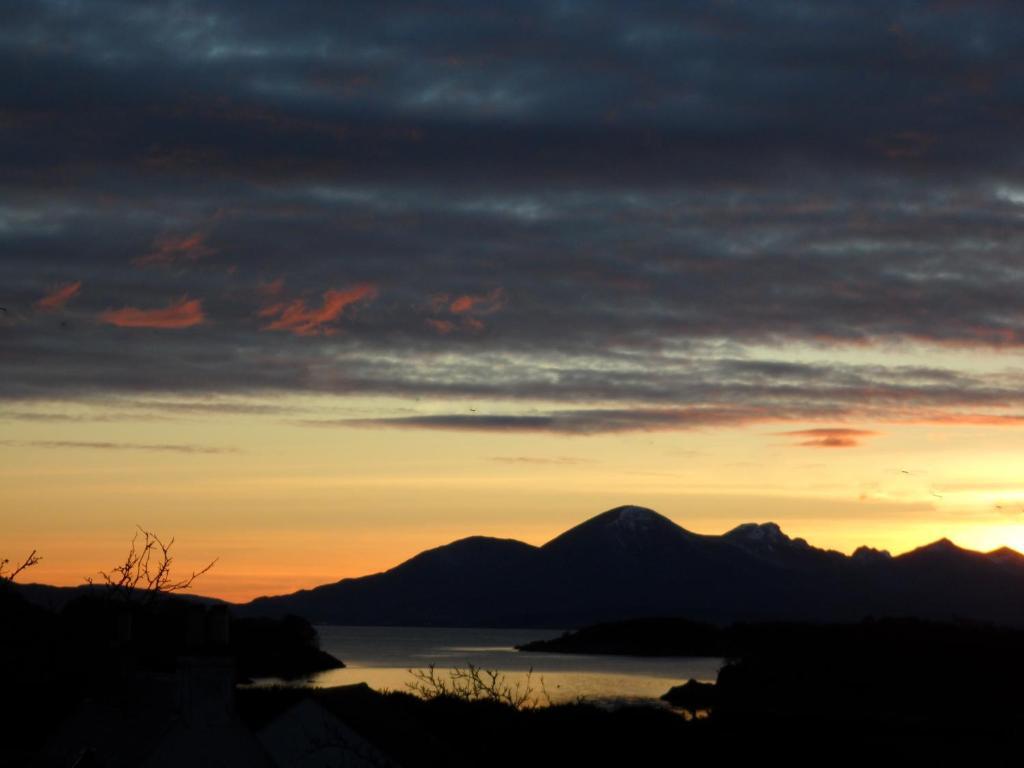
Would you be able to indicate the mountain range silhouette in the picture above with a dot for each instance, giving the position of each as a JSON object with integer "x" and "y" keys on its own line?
{"x": 632, "y": 562}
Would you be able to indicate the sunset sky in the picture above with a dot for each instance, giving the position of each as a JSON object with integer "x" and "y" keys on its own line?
{"x": 315, "y": 286}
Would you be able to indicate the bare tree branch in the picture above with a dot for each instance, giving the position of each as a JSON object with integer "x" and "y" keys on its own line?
{"x": 145, "y": 573}
{"x": 477, "y": 684}
{"x": 31, "y": 560}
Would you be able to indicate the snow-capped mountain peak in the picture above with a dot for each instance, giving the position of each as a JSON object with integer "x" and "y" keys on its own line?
{"x": 762, "y": 535}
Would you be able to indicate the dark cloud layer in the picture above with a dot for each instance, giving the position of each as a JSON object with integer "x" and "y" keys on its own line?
{"x": 615, "y": 210}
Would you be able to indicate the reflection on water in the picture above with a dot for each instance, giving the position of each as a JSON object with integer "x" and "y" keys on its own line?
{"x": 383, "y": 656}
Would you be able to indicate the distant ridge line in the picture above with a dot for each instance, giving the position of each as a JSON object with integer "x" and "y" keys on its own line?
{"x": 630, "y": 562}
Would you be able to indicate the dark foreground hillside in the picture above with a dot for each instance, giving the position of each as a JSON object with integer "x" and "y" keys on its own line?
{"x": 896, "y": 671}
{"x": 885, "y": 692}
{"x": 448, "y": 733}
{"x": 110, "y": 670}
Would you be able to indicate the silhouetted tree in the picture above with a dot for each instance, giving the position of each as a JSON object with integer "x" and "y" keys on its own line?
{"x": 9, "y": 575}
{"x": 476, "y": 684}
{"x": 145, "y": 573}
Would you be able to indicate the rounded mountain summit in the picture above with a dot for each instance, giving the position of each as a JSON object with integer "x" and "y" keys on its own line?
{"x": 632, "y": 562}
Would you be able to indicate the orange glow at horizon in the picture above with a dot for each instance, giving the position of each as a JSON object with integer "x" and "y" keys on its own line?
{"x": 285, "y": 506}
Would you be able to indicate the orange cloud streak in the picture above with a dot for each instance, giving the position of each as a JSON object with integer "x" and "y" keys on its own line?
{"x": 304, "y": 321}
{"x": 443, "y": 327}
{"x": 483, "y": 304}
{"x": 973, "y": 419}
{"x": 60, "y": 296}
{"x": 184, "y": 313}
{"x": 169, "y": 249}
{"x": 830, "y": 437}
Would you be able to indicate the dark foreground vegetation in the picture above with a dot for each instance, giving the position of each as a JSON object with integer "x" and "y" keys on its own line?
{"x": 451, "y": 732}
{"x": 886, "y": 670}
{"x": 923, "y": 690}
{"x": 99, "y": 646}
{"x": 886, "y": 691}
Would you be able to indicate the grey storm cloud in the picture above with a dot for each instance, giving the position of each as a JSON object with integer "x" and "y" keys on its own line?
{"x": 600, "y": 204}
